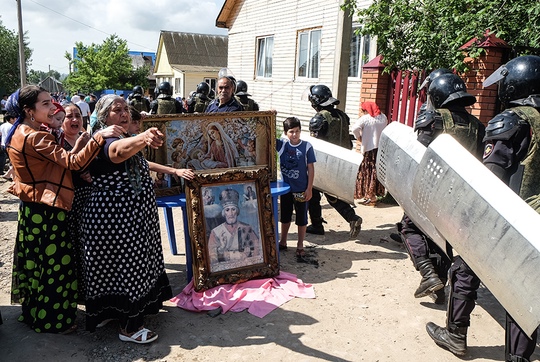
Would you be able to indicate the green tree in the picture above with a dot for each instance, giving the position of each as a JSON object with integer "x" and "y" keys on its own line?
{"x": 427, "y": 34}
{"x": 10, "y": 78}
{"x": 104, "y": 66}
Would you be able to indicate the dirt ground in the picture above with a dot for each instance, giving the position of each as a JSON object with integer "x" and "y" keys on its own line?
{"x": 364, "y": 309}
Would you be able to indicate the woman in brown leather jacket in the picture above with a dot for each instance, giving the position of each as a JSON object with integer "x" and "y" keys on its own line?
{"x": 44, "y": 276}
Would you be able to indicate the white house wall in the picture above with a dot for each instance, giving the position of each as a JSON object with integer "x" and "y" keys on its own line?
{"x": 283, "y": 19}
{"x": 192, "y": 80}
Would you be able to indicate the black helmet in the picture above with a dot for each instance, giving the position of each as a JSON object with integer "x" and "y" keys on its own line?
{"x": 519, "y": 78}
{"x": 138, "y": 90}
{"x": 165, "y": 88}
{"x": 241, "y": 88}
{"x": 434, "y": 74}
{"x": 203, "y": 88}
{"x": 448, "y": 88}
{"x": 321, "y": 96}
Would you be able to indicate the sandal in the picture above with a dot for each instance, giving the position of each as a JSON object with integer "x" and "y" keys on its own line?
{"x": 143, "y": 334}
{"x": 301, "y": 256}
{"x": 282, "y": 247}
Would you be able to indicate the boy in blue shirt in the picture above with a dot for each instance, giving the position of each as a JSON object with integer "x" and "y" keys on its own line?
{"x": 296, "y": 158}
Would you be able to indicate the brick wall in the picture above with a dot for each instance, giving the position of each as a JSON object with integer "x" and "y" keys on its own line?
{"x": 375, "y": 87}
{"x": 479, "y": 69}
{"x": 375, "y": 84}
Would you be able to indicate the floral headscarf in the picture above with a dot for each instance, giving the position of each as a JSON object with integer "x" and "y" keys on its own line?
{"x": 103, "y": 106}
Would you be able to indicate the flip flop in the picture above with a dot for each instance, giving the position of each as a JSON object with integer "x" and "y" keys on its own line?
{"x": 143, "y": 333}
{"x": 282, "y": 247}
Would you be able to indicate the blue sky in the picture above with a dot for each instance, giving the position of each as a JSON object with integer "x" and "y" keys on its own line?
{"x": 53, "y": 27}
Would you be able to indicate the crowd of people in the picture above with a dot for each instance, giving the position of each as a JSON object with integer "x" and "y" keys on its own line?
{"x": 88, "y": 216}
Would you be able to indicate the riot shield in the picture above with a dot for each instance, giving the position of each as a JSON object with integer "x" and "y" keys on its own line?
{"x": 336, "y": 169}
{"x": 489, "y": 225}
{"x": 398, "y": 157}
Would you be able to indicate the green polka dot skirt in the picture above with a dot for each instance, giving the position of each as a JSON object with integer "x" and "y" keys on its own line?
{"x": 44, "y": 280}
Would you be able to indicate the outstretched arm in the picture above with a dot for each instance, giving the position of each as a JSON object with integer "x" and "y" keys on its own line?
{"x": 185, "y": 173}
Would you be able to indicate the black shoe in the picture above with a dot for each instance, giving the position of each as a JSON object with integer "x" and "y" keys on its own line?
{"x": 315, "y": 229}
{"x": 455, "y": 341}
{"x": 396, "y": 237}
{"x": 430, "y": 282}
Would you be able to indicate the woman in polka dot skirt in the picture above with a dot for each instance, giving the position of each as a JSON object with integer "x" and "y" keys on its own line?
{"x": 44, "y": 280}
{"x": 125, "y": 271}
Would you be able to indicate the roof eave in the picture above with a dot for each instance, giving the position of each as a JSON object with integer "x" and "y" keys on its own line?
{"x": 225, "y": 13}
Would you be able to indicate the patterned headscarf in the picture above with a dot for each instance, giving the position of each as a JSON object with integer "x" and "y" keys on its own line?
{"x": 12, "y": 107}
{"x": 103, "y": 106}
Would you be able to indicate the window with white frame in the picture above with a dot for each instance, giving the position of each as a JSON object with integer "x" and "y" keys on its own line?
{"x": 359, "y": 53}
{"x": 265, "y": 48}
{"x": 309, "y": 45}
{"x": 177, "y": 84}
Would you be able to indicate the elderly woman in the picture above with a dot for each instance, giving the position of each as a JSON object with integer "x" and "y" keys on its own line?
{"x": 367, "y": 130}
{"x": 125, "y": 271}
{"x": 43, "y": 273}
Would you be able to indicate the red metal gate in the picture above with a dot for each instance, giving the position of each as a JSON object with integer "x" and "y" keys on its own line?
{"x": 404, "y": 100}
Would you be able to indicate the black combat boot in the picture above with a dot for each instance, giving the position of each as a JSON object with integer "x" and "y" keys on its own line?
{"x": 316, "y": 227}
{"x": 454, "y": 339}
{"x": 430, "y": 280}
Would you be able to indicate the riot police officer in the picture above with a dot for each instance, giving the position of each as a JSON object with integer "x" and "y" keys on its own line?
{"x": 199, "y": 101}
{"x": 332, "y": 125}
{"x": 244, "y": 97}
{"x": 138, "y": 101}
{"x": 164, "y": 103}
{"x": 509, "y": 155}
{"x": 445, "y": 113}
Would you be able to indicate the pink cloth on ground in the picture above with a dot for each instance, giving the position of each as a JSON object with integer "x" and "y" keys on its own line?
{"x": 258, "y": 296}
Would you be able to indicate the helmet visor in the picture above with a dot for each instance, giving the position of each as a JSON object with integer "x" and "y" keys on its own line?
{"x": 430, "y": 107}
{"x": 496, "y": 76}
{"x": 424, "y": 83}
{"x": 305, "y": 95}
{"x": 330, "y": 101}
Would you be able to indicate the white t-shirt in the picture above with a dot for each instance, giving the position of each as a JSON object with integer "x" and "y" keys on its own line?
{"x": 85, "y": 108}
{"x": 368, "y": 129}
{"x": 4, "y": 130}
